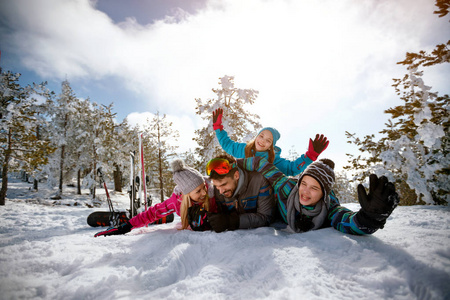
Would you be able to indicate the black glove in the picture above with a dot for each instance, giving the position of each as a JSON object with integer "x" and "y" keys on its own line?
{"x": 197, "y": 218}
{"x": 119, "y": 229}
{"x": 224, "y": 221}
{"x": 378, "y": 204}
{"x": 303, "y": 223}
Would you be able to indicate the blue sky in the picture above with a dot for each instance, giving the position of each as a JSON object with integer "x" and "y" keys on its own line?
{"x": 319, "y": 66}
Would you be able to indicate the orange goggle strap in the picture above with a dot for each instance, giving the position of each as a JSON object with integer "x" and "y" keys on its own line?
{"x": 220, "y": 165}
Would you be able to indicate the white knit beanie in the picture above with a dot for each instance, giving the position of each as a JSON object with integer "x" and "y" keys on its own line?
{"x": 186, "y": 178}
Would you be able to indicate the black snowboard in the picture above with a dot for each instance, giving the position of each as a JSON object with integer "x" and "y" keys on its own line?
{"x": 104, "y": 219}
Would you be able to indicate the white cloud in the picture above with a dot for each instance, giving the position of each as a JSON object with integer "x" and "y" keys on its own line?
{"x": 320, "y": 66}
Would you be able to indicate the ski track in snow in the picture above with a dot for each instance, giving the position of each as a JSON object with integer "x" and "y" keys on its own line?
{"x": 49, "y": 252}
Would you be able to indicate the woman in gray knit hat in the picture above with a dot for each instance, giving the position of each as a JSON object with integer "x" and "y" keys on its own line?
{"x": 193, "y": 196}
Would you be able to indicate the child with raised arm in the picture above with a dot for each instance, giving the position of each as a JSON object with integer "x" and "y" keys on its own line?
{"x": 192, "y": 198}
{"x": 264, "y": 145}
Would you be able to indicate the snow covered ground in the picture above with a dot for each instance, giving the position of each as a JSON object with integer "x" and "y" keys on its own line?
{"x": 49, "y": 252}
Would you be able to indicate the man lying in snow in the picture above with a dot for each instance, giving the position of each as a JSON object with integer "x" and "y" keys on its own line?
{"x": 244, "y": 199}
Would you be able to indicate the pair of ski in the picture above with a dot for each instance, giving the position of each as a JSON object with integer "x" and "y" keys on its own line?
{"x": 137, "y": 186}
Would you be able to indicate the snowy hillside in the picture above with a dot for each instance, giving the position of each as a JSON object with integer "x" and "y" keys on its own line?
{"x": 49, "y": 252}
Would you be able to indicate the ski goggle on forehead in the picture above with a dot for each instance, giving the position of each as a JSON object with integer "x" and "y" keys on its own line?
{"x": 219, "y": 165}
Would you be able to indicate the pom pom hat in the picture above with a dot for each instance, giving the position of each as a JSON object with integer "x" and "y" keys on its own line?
{"x": 322, "y": 171}
{"x": 186, "y": 178}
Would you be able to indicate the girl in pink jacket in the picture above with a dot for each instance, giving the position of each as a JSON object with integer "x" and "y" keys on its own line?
{"x": 192, "y": 198}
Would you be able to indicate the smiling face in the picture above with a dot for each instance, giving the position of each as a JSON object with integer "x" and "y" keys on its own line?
{"x": 264, "y": 140}
{"x": 309, "y": 191}
{"x": 199, "y": 193}
{"x": 227, "y": 185}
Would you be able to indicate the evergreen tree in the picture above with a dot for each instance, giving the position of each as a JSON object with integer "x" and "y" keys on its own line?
{"x": 84, "y": 145}
{"x": 443, "y": 6}
{"x": 344, "y": 189}
{"x": 100, "y": 127}
{"x": 20, "y": 147}
{"x": 64, "y": 131}
{"x": 151, "y": 158}
{"x": 240, "y": 124}
{"x": 129, "y": 142}
{"x": 414, "y": 148}
{"x": 42, "y": 107}
{"x": 190, "y": 159}
{"x": 81, "y": 143}
{"x": 107, "y": 151}
{"x": 159, "y": 150}
{"x": 120, "y": 146}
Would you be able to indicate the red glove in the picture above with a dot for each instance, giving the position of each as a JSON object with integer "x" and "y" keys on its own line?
{"x": 317, "y": 146}
{"x": 217, "y": 119}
